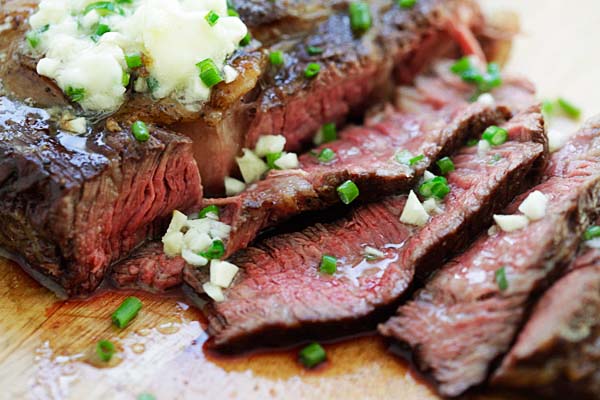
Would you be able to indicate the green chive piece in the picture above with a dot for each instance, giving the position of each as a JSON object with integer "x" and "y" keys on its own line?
{"x": 326, "y": 155}
{"x": 404, "y": 157}
{"x": 495, "y": 135}
{"x": 75, "y": 94}
{"x": 547, "y": 108}
{"x": 33, "y": 39}
{"x": 232, "y": 13}
{"x": 246, "y": 40}
{"x": 569, "y": 108}
{"x": 140, "y": 131}
{"x": 348, "y": 192}
{"x": 312, "y": 355}
{"x": 133, "y": 60}
{"x": 462, "y": 65}
{"x": 271, "y": 158}
{"x": 209, "y": 73}
{"x": 123, "y": 1}
{"x": 314, "y": 50}
{"x": 103, "y": 8}
{"x": 472, "y": 142}
{"x": 501, "y": 280}
{"x": 146, "y": 396}
{"x": 312, "y": 70}
{"x": 212, "y": 18}
{"x": 407, "y": 3}
{"x": 208, "y": 209}
{"x": 415, "y": 160}
{"x": 329, "y": 132}
{"x": 466, "y": 69}
{"x": 126, "y": 312}
{"x": 215, "y": 251}
{"x": 101, "y": 29}
{"x": 105, "y": 350}
{"x": 276, "y": 58}
{"x": 445, "y": 165}
{"x": 125, "y": 78}
{"x": 328, "y": 265}
{"x": 360, "y": 16}
{"x": 437, "y": 187}
{"x": 592, "y": 232}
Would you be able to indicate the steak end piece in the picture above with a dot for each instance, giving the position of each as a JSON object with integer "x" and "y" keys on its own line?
{"x": 280, "y": 292}
{"x": 72, "y": 205}
{"x": 464, "y": 319}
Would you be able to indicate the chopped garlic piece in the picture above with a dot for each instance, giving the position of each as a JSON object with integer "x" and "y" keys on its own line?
{"x": 373, "y": 252}
{"x": 219, "y": 230}
{"x": 427, "y": 176}
{"x": 251, "y": 166}
{"x": 233, "y": 186}
{"x": 196, "y": 240}
{"x": 534, "y": 206}
{"x": 269, "y": 144}
{"x": 77, "y": 125}
{"x": 486, "y": 99}
{"x": 287, "y": 161}
{"x": 483, "y": 147}
{"x": 193, "y": 259}
{"x": 230, "y": 73}
{"x": 222, "y": 273}
{"x": 173, "y": 243}
{"x": 432, "y": 207}
{"x": 213, "y": 291}
{"x": 414, "y": 213}
{"x": 178, "y": 221}
{"x": 510, "y": 223}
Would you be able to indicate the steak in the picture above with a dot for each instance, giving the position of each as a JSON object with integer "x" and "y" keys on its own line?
{"x": 463, "y": 320}
{"x": 280, "y": 291}
{"x": 72, "y": 205}
{"x": 558, "y": 352}
{"x": 356, "y": 70}
{"x": 433, "y": 122}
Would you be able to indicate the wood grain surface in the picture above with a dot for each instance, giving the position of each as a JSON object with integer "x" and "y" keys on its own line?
{"x": 46, "y": 346}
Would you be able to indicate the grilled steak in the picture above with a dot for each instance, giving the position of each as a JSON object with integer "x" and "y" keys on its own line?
{"x": 71, "y": 205}
{"x": 463, "y": 319}
{"x": 558, "y": 352}
{"x": 265, "y": 100}
{"x": 280, "y": 289}
{"x": 433, "y": 122}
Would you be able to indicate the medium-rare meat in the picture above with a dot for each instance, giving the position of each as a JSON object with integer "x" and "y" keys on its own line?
{"x": 280, "y": 290}
{"x": 470, "y": 311}
{"x": 431, "y": 119}
{"x": 72, "y": 205}
{"x": 267, "y": 100}
{"x": 558, "y": 351}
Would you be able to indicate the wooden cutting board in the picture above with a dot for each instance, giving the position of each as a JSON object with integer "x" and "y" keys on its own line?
{"x": 45, "y": 344}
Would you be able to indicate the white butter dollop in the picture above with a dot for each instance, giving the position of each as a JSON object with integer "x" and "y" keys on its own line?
{"x": 171, "y": 35}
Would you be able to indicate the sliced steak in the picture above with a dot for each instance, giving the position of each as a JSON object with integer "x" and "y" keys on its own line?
{"x": 558, "y": 351}
{"x": 280, "y": 290}
{"x": 72, "y": 205}
{"x": 462, "y": 320}
{"x": 356, "y": 69}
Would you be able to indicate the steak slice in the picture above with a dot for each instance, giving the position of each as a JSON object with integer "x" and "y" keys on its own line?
{"x": 72, "y": 205}
{"x": 558, "y": 352}
{"x": 462, "y": 320}
{"x": 279, "y": 289}
{"x": 356, "y": 69}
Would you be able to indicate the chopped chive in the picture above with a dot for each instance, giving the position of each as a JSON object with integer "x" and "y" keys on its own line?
{"x": 271, "y": 158}
{"x": 126, "y": 311}
{"x": 33, "y": 39}
{"x": 103, "y": 8}
{"x": 495, "y": 135}
{"x": 404, "y": 157}
{"x": 212, "y": 18}
{"x": 445, "y": 165}
{"x": 472, "y": 142}
{"x": 105, "y": 350}
{"x": 569, "y": 108}
{"x": 592, "y": 232}
{"x": 140, "y": 131}
{"x": 215, "y": 251}
{"x": 437, "y": 187}
{"x": 208, "y": 209}
{"x": 501, "y": 280}
{"x": 314, "y": 50}
{"x": 125, "y": 78}
{"x": 246, "y": 40}
{"x": 152, "y": 84}
{"x": 124, "y": 1}
{"x": 415, "y": 160}
{"x": 133, "y": 60}
{"x": 312, "y": 355}
{"x": 232, "y": 13}
{"x": 407, "y": 3}
{"x": 209, "y": 73}
{"x": 101, "y": 29}
{"x": 360, "y": 16}
{"x": 312, "y": 70}
{"x": 75, "y": 94}
{"x": 146, "y": 396}
{"x": 462, "y": 65}
{"x": 276, "y": 58}
{"x": 468, "y": 71}
{"x": 348, "y": 192}
{"x": 329, "y": 132}
{"x": 326, "y": 155}
{"x": 328, "y": 265}
{"x": 547, "y": 108}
